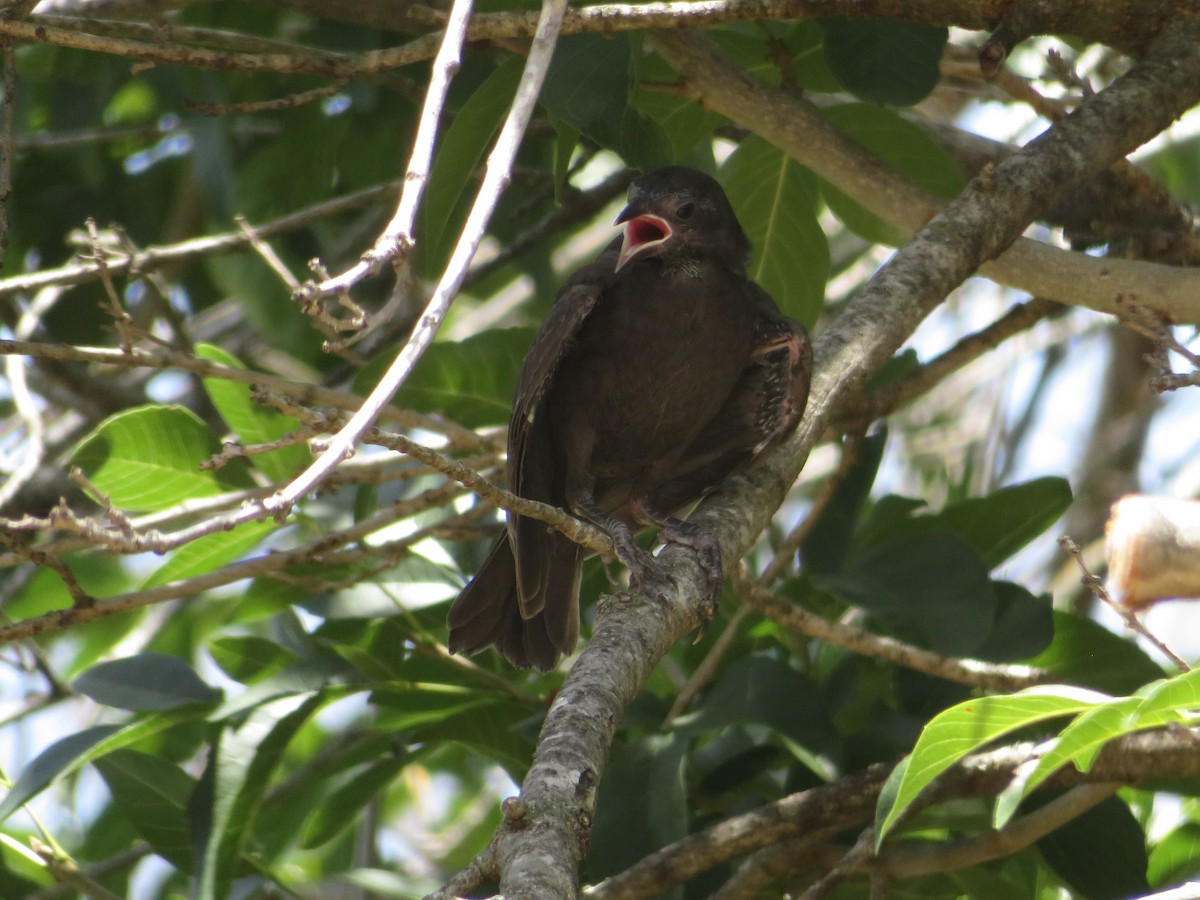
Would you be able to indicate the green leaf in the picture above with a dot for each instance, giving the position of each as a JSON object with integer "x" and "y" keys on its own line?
{"x": 954, "y": 733}
{"x": 243, "y": 761}
{"x": 148, "y": 458}
{"x": 249, "y": 658}
{"x": 209, "y": 553}
{"x": 684, "y": 122}
{"x": 642, "y": 805}
{"x": 67, "y": 755}
{"x": 459, "y": 152}
{"x": 1024, "y": 625}
{"x": 148, "y": 681}
{"x": 884, "y": 60}
{"x": 1176, "y": 165}
{"x": 486, "y": 723}
{"x": 471, "y": 381}
{"x": 252, "y": 422}
{"x": 341, "y": 808}
{"x": 1004, "y": 521}
{"x": 589, "y": 86}
{"x": 1087, "y": 653}
{"x": 828, "y": 543}
{"x": 1176, "y": 857}
{"x": 1171, "y": 701}
{"x": 1101, "y": 855}
{"x": 775, "y": 199}
{"x": 758, "y": 690}
{"x": 806, "y": 43}
{"x": 152, "y": 794}
{"x": 52, "y": 763}
{"x": 931, "y": 588}
{"x": 566, "y": 139}
{"x": 902, "y": 145}
{"x": 1167, "y": 700}
{"x": 1090, "y": 731}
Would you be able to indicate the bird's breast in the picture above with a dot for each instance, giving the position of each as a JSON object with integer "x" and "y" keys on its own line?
{"x": 652, "y": 365}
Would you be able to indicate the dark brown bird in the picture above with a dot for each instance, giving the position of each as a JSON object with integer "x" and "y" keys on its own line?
{"x": 660, "y": 370}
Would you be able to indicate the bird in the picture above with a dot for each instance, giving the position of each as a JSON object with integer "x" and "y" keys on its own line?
{"x": 660, "y": 370}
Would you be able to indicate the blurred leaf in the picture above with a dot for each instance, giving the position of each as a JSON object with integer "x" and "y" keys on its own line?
{"x": 134, "y": 103}
{"x": 210, "y": 552}
{"x": 243, "y": 761}
{"x": 827, "y": 544}
{"x": 152, "y": 794}
{"x": 684, "y": 122}
{"x": 341, "y": 809}
{"x": 748, "y": 47}
{"x": 1087, "y": 653}
{"x": 489, "y": 724}
{"x": 902, "y": 145}
{"x": 252, "y": 422}
{"x": 61, "y": 756}
{"x": 806, "y": 42}
{"x": 960, "y": 730}
{"x": 641, "y": 806}
{"x": 148, "y": 681}
{"x": 1176, "y": 164}
{"x": 249, "y": 658}
{"x": 459, "y": 152}
{"x": 758, "y": 690}
{"x": 148, "y": 458}
{"x": 70, "y": 753}
{"x": 885, "y": 60}
{"x": 1176, "y": 857}
{"x": 1004, "y": 521}
{"x": 471, "y": 381}
{"x": 1101, "y": 854}
{"x": 589, "y": 86}
{"x": 13, "y": 884}
{"x": 1024, "y": 625}
{"x": 566, "y": 139}
{"x": 930, "y": 588}
{"x": 775, "y": 199}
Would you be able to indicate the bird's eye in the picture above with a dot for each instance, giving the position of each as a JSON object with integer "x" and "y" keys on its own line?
{"x": 685, "y": 211}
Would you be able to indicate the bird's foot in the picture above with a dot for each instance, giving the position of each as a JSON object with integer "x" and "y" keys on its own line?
{"x": 707, "y": 549}
{"x": 645, "y": 574}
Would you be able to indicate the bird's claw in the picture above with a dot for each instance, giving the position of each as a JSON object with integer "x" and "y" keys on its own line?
{"x": 708, "y": 553}
{"x": 645, "y": 574}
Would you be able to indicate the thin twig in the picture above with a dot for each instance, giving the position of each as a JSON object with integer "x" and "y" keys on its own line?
{"x": 964, "y": 671}
{"x": 1096, "y": 586}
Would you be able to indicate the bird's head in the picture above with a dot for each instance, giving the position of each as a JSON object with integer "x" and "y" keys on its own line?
{"x": 680, "y": 213}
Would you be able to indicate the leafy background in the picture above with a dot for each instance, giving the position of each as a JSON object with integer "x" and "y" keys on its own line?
{"x": 286, "y": 722}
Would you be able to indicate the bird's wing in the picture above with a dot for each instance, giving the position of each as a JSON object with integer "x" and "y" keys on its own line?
{"x": 784, "y": 352}
{"x": 764, "y": 407}
{"x": 547, "y": 563}
{"x": 554, "y": 339}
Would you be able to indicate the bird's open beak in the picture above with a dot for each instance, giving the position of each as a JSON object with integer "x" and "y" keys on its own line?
{"x": 644, "y": 235}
